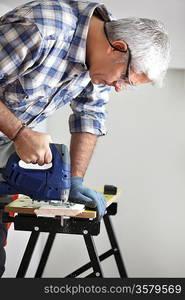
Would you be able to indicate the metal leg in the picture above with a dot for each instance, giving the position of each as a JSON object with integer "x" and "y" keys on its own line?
{"x": 94, "y": 258}
{"x": 27, "y": 254}
{"x": 45, "y": 255}
{"x": 115, "y": 247}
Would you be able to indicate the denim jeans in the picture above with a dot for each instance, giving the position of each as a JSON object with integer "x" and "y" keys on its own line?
{"x": 3, "y": 236}
{"x": 6, "y": 148}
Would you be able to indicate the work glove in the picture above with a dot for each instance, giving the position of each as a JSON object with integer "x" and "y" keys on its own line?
{"x": 90, "y": 198}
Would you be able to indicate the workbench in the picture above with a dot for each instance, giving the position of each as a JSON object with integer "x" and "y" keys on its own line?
{"x": 28, "y": 217}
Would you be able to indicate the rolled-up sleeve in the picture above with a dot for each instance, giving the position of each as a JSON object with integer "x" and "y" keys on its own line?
{"x": 89, "y": 112}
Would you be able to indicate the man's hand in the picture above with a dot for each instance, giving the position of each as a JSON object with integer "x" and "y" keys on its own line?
{"x": 33, "y": 147}
{"x": 90, "y": 198}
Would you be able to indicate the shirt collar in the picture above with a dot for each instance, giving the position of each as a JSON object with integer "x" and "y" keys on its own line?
{"x": 77, "y": 49}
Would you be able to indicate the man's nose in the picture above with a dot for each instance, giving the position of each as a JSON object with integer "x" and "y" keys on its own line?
{"x": 118, "y": 86}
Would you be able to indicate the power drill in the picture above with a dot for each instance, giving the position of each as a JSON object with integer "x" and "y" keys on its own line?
{"x": 39, "y": 184}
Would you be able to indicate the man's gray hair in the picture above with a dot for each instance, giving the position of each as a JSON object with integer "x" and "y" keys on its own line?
{"x": 148, "y": 42}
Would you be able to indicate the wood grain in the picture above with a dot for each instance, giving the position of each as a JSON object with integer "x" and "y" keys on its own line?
{"x": 24, "y": 205}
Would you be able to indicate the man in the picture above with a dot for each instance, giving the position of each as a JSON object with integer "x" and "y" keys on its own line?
{"x": 54, "y": 52}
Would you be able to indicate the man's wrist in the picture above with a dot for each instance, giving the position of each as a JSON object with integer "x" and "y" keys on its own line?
{"x": 76, "y": 173}
{"x": 24, "y": 134}
{"x": 12, "y": 130}
{"x": 19, "y": 131}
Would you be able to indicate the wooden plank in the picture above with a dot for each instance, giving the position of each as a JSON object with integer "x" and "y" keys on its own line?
{"x": 24, "y": 205}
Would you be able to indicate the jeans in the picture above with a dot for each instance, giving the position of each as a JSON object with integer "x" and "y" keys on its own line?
{"x": 3, "y": 236}
{"x": 6, "y": 148}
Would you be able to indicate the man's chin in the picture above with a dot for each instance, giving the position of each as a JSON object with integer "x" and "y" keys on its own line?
{"x": 118, "y": 89}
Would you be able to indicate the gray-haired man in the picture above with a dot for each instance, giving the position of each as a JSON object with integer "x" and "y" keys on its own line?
{"x": 54, "y": 52}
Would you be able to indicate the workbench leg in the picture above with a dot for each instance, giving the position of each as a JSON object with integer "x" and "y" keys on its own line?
{"x": 45, "y": 255}
{"x": 94, "y": 258}
{"x": 27, "y": 254}
{"x": 115, "y": 247}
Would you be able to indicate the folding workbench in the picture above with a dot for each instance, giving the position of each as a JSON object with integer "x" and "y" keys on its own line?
{"x": 22, "y": 214}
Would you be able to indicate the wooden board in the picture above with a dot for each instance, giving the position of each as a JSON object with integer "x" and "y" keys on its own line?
{"x": 24, "y": 205}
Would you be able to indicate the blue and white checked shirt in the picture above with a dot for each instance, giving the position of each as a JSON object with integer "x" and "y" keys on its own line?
{"x": 42, "y": 64}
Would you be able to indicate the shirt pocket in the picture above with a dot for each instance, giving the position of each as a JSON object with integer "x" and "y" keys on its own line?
{"x": 14, "y": 96}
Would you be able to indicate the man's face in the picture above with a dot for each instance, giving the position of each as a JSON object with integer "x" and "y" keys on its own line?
{"x": 106, "y": 70}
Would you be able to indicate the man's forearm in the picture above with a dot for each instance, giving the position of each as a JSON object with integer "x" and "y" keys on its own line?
{"x": 9, "y": 123}
{"x": 31, "y": 146}
{"x": 81, "y": 149}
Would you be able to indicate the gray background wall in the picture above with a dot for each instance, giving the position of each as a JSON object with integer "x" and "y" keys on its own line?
{"x": 144, "y": 155}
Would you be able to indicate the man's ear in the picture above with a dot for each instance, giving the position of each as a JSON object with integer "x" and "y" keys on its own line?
{"x": 120, "y": 45}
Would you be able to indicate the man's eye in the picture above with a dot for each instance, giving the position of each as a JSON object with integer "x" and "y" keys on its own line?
{"x": 122, "y": 76}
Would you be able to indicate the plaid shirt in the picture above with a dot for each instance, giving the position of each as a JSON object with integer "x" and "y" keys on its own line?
{"x": 42, "y": 64}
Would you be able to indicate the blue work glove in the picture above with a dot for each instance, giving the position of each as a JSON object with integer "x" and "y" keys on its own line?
{"x": 90, "y": 198}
